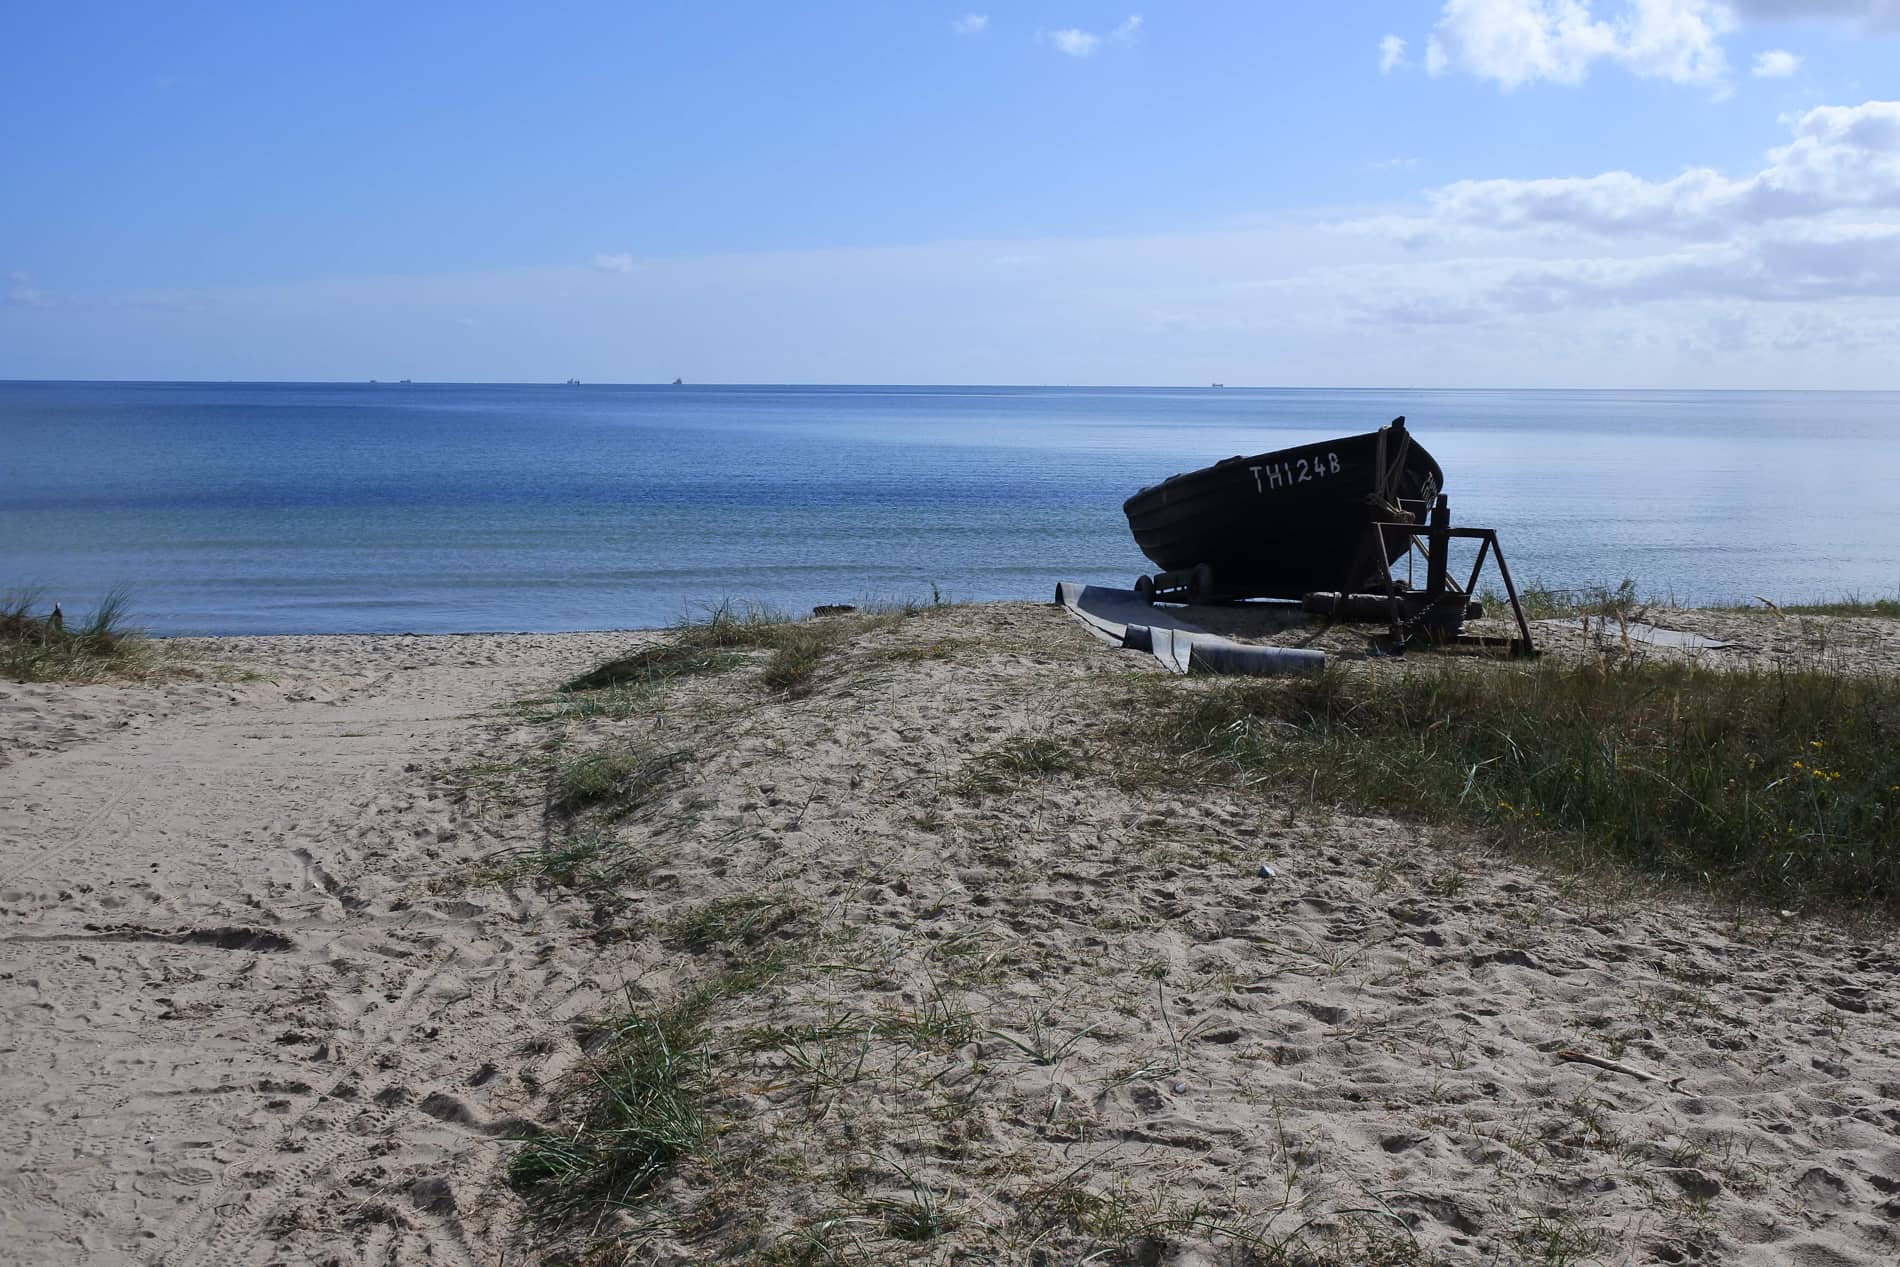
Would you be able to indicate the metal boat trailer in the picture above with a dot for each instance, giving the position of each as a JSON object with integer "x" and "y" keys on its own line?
{"x": 1435, "y": 615}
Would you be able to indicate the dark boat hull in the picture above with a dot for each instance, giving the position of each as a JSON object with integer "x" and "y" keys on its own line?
{"x": 1286, "y": 523}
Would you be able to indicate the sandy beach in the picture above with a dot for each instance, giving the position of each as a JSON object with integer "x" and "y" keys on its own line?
{"x": 275, "y": 990}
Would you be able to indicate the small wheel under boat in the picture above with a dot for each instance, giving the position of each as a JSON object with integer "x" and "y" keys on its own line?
{"x": 1145, "y": 588}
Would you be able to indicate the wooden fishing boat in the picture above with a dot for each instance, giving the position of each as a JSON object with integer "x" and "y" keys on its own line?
{"x": 1286, "y": 523}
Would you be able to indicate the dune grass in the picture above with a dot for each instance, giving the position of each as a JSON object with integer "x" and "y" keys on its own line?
{"x": 640, "y": 1104}
{"x": 639, "y": 1107}
{"x": 45, "y": 647}
{"x": 1849, "y": 605}
{"x": 1015, "y": 762}
{"x": 694, "y": 647}
{"x": 717, "y": 643}
{"x": 1779, "y": 787}
{"x": 650, "y": 666}
{"x": 1543, "y": 602}
{"x": 593, "y": 860}
{"x": 616, "y": 778}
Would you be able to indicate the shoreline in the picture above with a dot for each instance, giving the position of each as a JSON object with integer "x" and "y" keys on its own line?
{"x": 1846, "y": 608}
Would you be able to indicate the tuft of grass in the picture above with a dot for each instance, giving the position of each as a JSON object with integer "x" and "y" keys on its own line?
{"x": 796, "y": 658}
{"x": 638, "y": 1106}
{"x": 651, "y": 666}
{"x": 641, "y": 1104}
{"x": 1542, "y": 602}
{"x": 918, "y": 1215}
{"x": 42, "y": 648}
{"x": 617, "y": 778}
{"x": 588, "y": 861}
{"x": 711, "y": 646}
{"x": 745, "y": 920}
{"x": 1776, "y": 786}
{"x": 1016, "y": 761}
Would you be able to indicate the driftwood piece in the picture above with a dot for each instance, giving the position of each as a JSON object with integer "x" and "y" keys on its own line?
{"x": 1585, "y": 1058}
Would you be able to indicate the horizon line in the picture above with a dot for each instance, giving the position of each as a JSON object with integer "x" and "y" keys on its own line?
{"x": 661, "y": 383}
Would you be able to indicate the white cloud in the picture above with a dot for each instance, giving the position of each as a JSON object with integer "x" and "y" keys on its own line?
{"x": 1776, "y": 63}
{"x": 1391, "y": 53}
{"x": 1807, "y": 244}
{"x": 1841, "y": 159}
{"x": 622, "y": 262}
{"x": 971, "y": 24}
{"x": 1075, "y": 43}
{"x": 1079, "y": 43}
{"x": 1516, "y": 42}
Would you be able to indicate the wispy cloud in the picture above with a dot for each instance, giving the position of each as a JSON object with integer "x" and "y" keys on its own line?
{"x": 1078, "y": 43}
{"x": 1075, "y": 42}
{"x": 970, "y": 24}
{"x": 1391, "y": 54}
{"x": 1776, "y": 63}
{"x": 622, "y": 262}
{"x": 21, "y": 290}
{"x": 1842, "y": 159}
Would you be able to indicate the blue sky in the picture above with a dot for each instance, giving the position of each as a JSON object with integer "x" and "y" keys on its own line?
{"x": 1453, "y": 192}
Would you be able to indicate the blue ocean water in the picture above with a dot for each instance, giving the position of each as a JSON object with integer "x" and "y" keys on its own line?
{"x": 229, "y": 508}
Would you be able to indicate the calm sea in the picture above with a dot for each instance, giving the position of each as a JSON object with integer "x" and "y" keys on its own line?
{"x": 433, "y": 508}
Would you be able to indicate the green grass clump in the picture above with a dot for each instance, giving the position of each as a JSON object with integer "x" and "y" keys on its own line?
{"x": 39, "y": 648}
{"x": 1542, "y": 602}
{"x": 710, "y": 646}
{"x": 589, "y": 861}
{"x": 640, "y": 1108}
{"x": 731, "y": 923}
{"x": 1777, "y": 786}
{"x": 650, "y": 666}
{"x": 617, "y": 778}
{"x": 1017, "y": 761}
{"x": 796, "y": 657}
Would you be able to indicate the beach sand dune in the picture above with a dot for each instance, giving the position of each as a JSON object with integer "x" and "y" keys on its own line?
{"x": 228, "y": 980}
{"x": 264, "y": 999}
